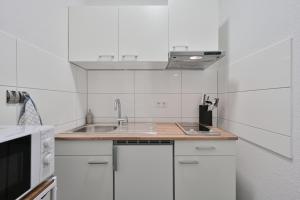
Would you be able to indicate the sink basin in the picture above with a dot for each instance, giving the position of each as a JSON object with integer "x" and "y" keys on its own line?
{"x": 132, "y": 128}
{"x": 96, "y": 129}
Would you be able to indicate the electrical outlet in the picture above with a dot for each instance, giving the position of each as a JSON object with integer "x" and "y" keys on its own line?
{"x": 161, "y": 104}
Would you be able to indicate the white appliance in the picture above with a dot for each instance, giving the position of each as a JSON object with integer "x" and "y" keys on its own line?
{"x": 143, "y": 170}
{"x": 26, "y": 159}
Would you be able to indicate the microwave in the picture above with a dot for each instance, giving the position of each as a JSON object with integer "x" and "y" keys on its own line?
{"x": 26, "y": 159}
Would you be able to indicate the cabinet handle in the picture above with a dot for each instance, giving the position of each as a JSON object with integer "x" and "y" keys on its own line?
{"x": 98, "y": 162}
{"x": 134, "y": 56}
{"x": 100, "y": 57}
{"x": 205, "y": 148}
{"x": 186, "y": 47}
{"x": 115, "y": 158}
{"x": 190, "y": 162}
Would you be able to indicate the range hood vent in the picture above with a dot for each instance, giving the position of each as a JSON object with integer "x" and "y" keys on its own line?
{"x": 197, "y": 60}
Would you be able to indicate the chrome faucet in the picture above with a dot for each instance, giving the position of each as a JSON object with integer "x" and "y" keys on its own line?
{"x": 119, "y": 109}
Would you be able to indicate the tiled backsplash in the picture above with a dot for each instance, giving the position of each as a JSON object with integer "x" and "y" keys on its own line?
{"x": 149, "y": 95}
{"x": 59, "y": 89}
{"x": 255, "y": 97}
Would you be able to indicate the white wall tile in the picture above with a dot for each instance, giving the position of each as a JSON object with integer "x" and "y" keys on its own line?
{"x": 102, "y": 105}
{"x": 8, "y": 112}
{"x": 190, "y": 105}
{"x": 223, "y": 108}
{"x": 151, "y": 88}
{"x": 223, "y": 76}
{"x": 157, "y": 119}
{"x": 81, "y": 80}
{"x": 152, "y": 105}
{"x": 7, "y": 60}
{"x": 66, "y": 126}
{"x": 199, "y": 81}
{"x": 42, "y": 63}
{"x": 249, "y": 26}
{"x": 267, "y": 109}
{"x": 55, "y": 108}
{"x": 157, "y": 81}
{"x": 111, "y": 120}
{"x": 80, "y": 105}
{"x": 111, "y": 81}
{"x": 267, "y": 68}
{"x": 278, "y": 143}
{"x": 40, "y": 69}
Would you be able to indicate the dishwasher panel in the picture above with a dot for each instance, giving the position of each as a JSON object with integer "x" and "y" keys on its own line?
{"x": 143, "y": 171}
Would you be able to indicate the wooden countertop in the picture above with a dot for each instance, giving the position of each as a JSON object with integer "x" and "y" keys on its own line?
{"x": 165, "y": 131}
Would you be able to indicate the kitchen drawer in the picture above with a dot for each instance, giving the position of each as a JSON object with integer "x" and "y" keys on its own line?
{"x": 78, "y": 147}
{"x": 223, "y": 147}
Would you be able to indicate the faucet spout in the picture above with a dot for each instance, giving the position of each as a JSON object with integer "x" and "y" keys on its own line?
{"x": 118, "y": 108}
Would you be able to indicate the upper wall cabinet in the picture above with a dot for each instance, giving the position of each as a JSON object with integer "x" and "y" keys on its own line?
{"x": 143, "y": 33}
{"x": 93, "y": 33}
{"x": 193, "y": 25}
{"x": 125, "y": 37}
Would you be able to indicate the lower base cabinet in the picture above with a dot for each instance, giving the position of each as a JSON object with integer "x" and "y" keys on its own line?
{"x": 84, "y": 170}
{"x": 205, "y": 170}
{"x": 84, "y": 177}
{"x": 205, "y": 178}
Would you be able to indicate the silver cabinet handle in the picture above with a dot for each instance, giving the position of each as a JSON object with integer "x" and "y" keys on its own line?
{"x": 98, "y": 162}
{"x": 189, "y": 162}
{"x": 100, "y": 57}
{"x": 205, "y": 148}
{"x": 115, "y": 158}
{"x": 134, "y": 56}
{"x": 186, "y": 47}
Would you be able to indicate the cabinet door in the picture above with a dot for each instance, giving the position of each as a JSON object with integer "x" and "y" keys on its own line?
{"x": 193, "y": 25}
{"x": 204, "y": 177}
{"x": 93, "y": 33}
{"x": 143, "y": 33}
{"x": 144, "y": 172}
{"x": 84, "y": 177}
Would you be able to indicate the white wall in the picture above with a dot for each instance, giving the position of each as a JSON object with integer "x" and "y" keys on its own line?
{"x": 33, "y": 58}
{"x": 259, "y": 90}
{"x": 159, "y": 96}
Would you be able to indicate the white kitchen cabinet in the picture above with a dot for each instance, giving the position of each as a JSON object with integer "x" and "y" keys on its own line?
{"x": 84, "y": 170}
{"x": 205, "y": 170}
{"x": 125, "y": 37}
{"x": 93, "y": 33}
{"x": 204, "y": 177}
{"x": 193, "y": 25}
{"x": 84, "y": 177}
{"x": 143, "y": 33}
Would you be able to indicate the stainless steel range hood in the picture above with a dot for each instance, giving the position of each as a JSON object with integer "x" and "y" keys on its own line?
{"x": 198, "y": 60}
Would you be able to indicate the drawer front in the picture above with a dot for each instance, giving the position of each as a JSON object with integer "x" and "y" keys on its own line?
{"x": 205, "y": 148}
{"x": 83, "y": 148}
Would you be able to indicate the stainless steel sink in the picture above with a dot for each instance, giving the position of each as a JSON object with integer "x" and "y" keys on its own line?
{"x": 96, "y": 129}
{"x": 132, "y": 128}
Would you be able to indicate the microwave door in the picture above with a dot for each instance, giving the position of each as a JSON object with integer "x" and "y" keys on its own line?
{"x": 3, "y": 170}
{"x": 15, "y": 162}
